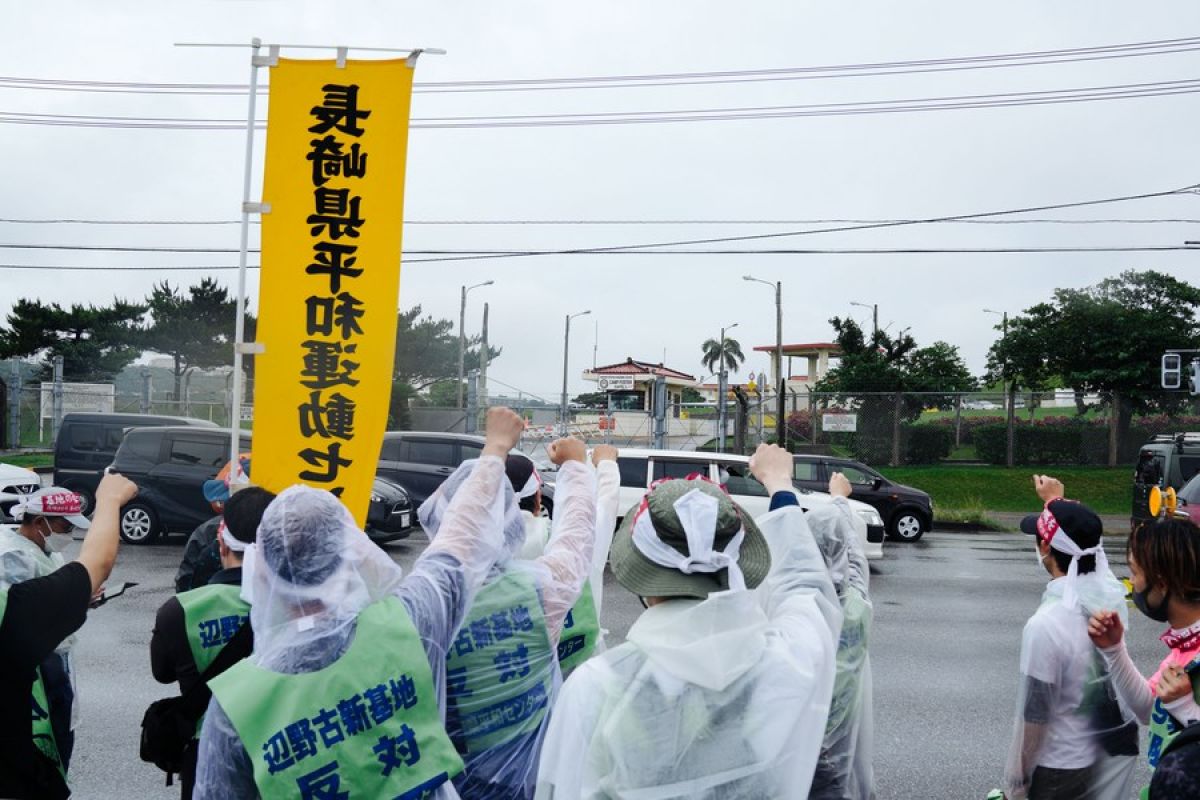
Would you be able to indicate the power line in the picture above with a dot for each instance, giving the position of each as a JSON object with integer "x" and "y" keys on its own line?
{"x": 666, "y": 252}
{"x": 645, "y": 246}
{"x": 915, "y": 66}
{"x": 857, "y": 108}
{"x": 583, "y": 222}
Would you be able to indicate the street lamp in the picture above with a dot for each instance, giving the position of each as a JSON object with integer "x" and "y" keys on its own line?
{"x": 874, "y": 316}
{"x": 722, "y": 390}
{"x": 462, "y": 335}
{"x": 777, "y": 378}
{"x": 566, "y": 417}
{"x": 1008, "y": 398}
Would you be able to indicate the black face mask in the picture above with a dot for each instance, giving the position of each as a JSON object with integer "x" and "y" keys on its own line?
{"x": 1157, "y": 613}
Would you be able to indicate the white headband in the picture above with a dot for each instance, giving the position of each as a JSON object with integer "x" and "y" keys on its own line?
{"x": 232, "y": 542}
{"x": 1065, "y": 544}
{"x": 698, "y": 515}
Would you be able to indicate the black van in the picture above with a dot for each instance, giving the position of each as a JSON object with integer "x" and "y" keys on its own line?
{"x": 87, "y": 443}
{"x": 170, "y": 465}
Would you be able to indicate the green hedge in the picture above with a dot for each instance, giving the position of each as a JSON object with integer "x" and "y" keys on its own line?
{"x": 919, "y": 444}
{"x": 1035, "y": 444}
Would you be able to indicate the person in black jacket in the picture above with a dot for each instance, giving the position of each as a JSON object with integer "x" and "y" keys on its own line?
{"x": 193, "y": 627}
{"x": 201, "y": 558}
{"x": 35, "y": 616}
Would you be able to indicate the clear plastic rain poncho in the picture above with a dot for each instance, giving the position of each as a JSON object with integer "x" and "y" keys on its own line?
{"x": 844, "y": 769}
{"x": 608, "y": 495}
{"x": 503, "y": 668}
{"x": 724, "y": 698}
{"x": 1068, "y": 715}
{"x": 310, "y": 574}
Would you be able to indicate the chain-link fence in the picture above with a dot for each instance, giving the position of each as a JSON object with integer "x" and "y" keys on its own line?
{"x": 883, "y": 428}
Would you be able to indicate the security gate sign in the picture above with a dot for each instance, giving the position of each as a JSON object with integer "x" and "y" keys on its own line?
{"x": 616, "y": 383}
{"x": 839, "y": 423}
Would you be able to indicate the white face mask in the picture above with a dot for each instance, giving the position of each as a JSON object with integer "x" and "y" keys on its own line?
{"x": 56, "y": 542}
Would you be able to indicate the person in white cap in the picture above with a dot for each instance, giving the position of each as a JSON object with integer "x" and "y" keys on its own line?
{"x": 33, "y": 549}
{"x": 36, "y": 616}
{"x": 1072, "y": 739}
{"x": 723, "y": 686}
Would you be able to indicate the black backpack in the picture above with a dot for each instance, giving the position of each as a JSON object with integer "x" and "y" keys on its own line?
{"x": 169, "y": 725}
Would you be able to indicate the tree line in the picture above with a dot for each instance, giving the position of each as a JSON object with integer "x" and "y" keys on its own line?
{"x": 195, "y": 328}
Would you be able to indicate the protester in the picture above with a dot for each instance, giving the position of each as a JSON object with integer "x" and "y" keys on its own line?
{"x": 1164, "y": 564}
{"x": 193, "y": 627}
{"x": 36, "y": 616}
{"x": 582, "y": 635}
{"x": 33, "y": 549}
{"x": 845, "y": 769}
{"x": 1072, "y": 738}
{"x": 503, "y": 672}
{"x": 721, "y": 690}
{"x": 201, "y": 559}
{"x": 344, "y": 694}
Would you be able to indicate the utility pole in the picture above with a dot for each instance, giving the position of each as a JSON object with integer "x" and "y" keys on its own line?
{"x": 482, "y": 391}
{"x": 1010, "y": 411}
{"x": 462, "y": 335}
{"x": 874, "y": 316}
{"x": 566, "y": 414}
{"x": 777, "y": 377}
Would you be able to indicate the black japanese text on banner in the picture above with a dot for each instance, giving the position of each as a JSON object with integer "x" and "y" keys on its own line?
{"x": 337, "y": 138}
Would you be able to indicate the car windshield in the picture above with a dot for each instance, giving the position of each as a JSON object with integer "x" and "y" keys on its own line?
{"x": 1190, "y": 493}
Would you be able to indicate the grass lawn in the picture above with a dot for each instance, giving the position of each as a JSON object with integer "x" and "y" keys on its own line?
{"x": 1108, "y": 491}
{"x": 28, "y": 459}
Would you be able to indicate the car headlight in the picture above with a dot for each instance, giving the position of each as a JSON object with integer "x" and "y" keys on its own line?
{"x": 376, "y": 498}
{"x": 871, "y": 516}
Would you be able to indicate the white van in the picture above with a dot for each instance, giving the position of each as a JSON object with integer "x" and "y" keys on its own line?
{"x": 639, "y": 468}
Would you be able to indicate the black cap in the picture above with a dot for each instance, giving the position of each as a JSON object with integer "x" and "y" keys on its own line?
{"x": 1075, "y": 519}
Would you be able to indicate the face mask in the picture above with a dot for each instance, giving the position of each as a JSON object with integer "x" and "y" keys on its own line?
{"x": 1157, "y": 613}
{"x": 56, "y": 542}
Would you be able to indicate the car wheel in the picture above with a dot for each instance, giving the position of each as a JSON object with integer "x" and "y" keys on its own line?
{"x": 86, "y": 502}
{"x": 139, "y": 524}
{"x": 907, "y": 526}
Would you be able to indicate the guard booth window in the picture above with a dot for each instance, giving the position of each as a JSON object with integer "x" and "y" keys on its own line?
{"x": 627, "y": 401}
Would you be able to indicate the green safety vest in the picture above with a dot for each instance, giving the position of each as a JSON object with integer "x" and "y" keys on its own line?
{"x": 851, "y": 653}
{"x": 211, "y": 616}
{"x": 1163, "y": 728}
{"x": 500, "y": 669}
{"x": 40, "y": 729}
{"x": 581, "y": 630}
{"x": 366, "y": 726}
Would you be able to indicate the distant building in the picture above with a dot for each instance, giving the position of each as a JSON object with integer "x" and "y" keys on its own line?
{"x": 818, "y": 355}
{"x": 629, "y": 384}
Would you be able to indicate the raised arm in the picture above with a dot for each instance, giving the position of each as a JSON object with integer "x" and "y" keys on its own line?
{"x": 443, "y": 582}
{"x": 568, "y": 554}
{"x": 99, "y": 550}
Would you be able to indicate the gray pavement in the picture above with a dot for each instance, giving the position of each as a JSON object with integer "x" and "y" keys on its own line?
{"x": 948, "y": 617}
{"x": 1114, "y": 524}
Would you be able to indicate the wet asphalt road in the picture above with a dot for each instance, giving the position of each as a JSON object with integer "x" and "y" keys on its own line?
{"x": 948, "y": 617}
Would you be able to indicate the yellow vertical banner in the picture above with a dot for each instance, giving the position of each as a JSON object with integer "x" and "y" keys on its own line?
{"x": 337, "y": 139}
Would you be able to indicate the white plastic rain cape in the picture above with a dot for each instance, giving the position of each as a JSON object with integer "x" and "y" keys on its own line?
{"x": 310, "y": 574}
{"x": 502, "y": 670}
{"x": 722, "y": 698}
{"x": 1068, "y": 715}
{"x": 844, "y": 769}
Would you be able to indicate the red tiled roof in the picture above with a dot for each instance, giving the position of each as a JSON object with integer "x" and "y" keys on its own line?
{"x": 631, "y": 367}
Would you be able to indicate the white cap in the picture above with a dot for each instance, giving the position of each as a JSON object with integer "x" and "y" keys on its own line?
{"x": 52, "y": 502}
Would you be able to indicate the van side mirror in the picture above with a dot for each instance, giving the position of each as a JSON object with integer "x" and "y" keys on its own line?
{"x": 875, "y": 484}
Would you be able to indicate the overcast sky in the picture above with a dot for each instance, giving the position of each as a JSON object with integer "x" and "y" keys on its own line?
{"x": 882, "y": 166}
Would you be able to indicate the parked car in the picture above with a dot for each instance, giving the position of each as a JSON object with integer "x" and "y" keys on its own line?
{"x": 639, "y": 468}
{"x": 907, "y": 512}
{"x": 421, "y": 461}
{"x": 87, "y": 443}
{"x": 1167, "y": 460}
{"x": 14, "y": 482}
{"x": 1189, "y": 499}
{"x": 170, "y": 465}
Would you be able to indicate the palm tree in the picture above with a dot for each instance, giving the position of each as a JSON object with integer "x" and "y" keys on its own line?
{"x": 726, "y": 355}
